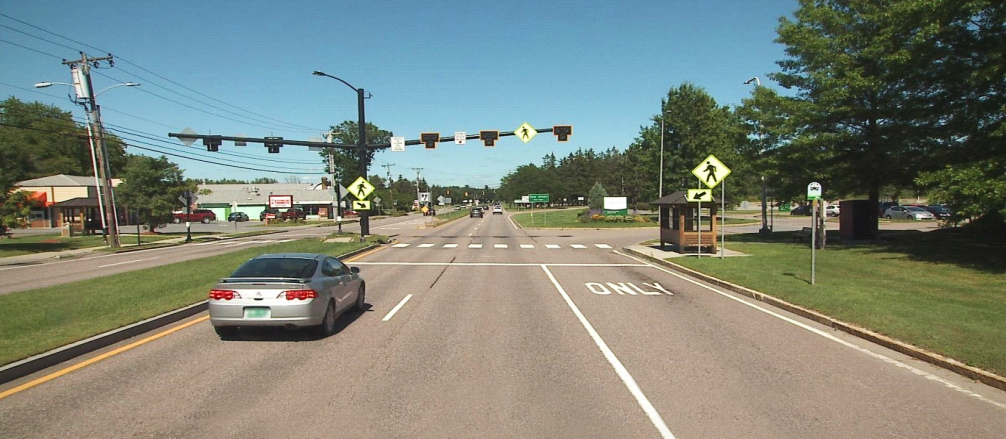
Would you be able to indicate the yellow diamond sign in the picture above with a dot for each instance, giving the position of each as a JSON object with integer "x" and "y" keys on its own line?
{"x": 525, "y": 132}
{"x": 361, "y": 188}
{"x": 711, "y": 171}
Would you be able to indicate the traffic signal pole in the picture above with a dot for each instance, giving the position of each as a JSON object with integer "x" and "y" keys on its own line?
{"x": 364, "y": 160}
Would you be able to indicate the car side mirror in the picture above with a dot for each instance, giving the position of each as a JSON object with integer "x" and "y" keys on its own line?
{"x": 354, "y": 270}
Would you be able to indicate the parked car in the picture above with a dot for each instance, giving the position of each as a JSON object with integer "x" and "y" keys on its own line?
{"x": 909, "y": 213}
{"x": 497, "y": 209}
{"x": 204, "y": 216}
{"x": 884, "y": 205}
{"x": 475, "y": 212}
{"x": 294, "y": 214}
{"x": 350, "y": 213}
{"x": 268, "y": 214}
{"x": 801, "y": 210}
{"x": 831, "y": 210}
{"x": 237, "y": 217}
{"x": 291, "y": 290}
{"x": 940, "y": 211}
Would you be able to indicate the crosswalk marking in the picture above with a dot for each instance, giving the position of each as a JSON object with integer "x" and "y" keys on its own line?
{"x": 400, "y": 245}
{"x": 425, "y": 245}
{"x": 602, "y": 246}
{"x": 450, "y": 245}
{"x": 500, "y": 246}
{"x": 578, "y": 246}
{"x": 551, "y": 245}
{"x": 474, "y": 245}
{"x": 526, "y": 246}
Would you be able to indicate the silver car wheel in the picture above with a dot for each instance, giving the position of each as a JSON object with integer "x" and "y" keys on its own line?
{"x": 327, "y": 326}
{"x": 360, "y": 297}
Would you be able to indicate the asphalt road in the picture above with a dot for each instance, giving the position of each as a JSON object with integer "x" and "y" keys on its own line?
{"x": 480, "y": 329}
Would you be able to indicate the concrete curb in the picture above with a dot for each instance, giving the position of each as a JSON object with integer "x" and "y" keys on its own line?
{"x": 41, "y": 361}
{"x": 28, "y": 366}
{"x": 950, "y": 364}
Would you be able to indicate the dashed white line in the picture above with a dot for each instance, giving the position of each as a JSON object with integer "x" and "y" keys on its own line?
{"x": 500, "y": 246}
{"x": 578, "y": 246}
{"x": 450, "y": 245}
{"x": 602, "y": 246}
{"x": 427, "y": 245}
{"x": 474, "y": 245}
{"x": 526, "y": 246}
{"x": 552, "y": 246}
{"x": 396, "y": 308}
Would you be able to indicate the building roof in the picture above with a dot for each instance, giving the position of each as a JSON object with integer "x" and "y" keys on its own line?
{"x": 78, "y": 202}
{"x": 679, "y": 197}
{"x": 59, "y": 180}
{"x": 258, "y": 194}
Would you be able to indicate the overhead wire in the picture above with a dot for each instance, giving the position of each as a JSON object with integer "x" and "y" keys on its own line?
{"x": 31, "y": 49}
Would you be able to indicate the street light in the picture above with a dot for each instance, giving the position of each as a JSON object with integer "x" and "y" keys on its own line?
{"x": 102, "y": 177}
{"x": 361, "y": 145}
{"x": 661, "y": 184}
{"x": 765, "y": 230}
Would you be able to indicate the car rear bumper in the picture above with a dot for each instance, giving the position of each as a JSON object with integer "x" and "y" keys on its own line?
{"x": 232, "y": 313}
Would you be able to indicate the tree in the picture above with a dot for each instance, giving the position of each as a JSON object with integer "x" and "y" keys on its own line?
{"x": 347, "y": 161}
{"x": 150, "y": 188}
{"x": 15, "y": 210}
{"x": 596, "y": 198}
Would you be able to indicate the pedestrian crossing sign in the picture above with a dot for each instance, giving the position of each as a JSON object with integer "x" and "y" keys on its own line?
{"x": 361, "y": 188}
{"x": 711, "y": 171}
{"x": 525, "y": 132}
{"x": 361, "y": 205}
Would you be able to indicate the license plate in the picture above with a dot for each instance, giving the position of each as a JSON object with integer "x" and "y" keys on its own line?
{"x": 256, "y": 313}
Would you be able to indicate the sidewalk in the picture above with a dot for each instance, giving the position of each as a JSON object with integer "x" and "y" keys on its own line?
{"x": 69, "y": 254}
{"x": 654, "y": 251}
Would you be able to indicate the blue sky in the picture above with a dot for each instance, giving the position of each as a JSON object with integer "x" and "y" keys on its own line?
{"x": 440, "y": 66}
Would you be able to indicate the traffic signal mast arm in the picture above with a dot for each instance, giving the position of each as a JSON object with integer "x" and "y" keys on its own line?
{"x": 560, "y": 130}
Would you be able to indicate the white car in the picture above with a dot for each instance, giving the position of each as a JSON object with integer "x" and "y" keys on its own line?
{"x": 831, "y": 210}
{"x": 498, "y": 209}
{"x": 909, "y": 213}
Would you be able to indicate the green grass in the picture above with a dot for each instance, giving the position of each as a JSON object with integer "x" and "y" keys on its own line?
{"x": 25, "y": 245}
{"x": 35, "y": 321}
{"x": 942, "y": 291}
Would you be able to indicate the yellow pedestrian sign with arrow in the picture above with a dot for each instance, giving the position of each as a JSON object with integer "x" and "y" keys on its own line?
{"x": 361, "y": 188}
{"x": 361, "y": 205}
{"x": 705, "y": 195}
{"x": 711, "y": 172}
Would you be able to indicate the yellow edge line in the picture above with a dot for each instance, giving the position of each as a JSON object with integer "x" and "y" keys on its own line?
{"x": 365, "y": 254}
{"x": 91, "y": 361}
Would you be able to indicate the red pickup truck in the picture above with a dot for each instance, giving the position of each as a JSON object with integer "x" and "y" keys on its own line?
{"x": 201, "y": 215}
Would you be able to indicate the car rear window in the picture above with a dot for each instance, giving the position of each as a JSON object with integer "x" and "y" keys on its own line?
{"x": 277, "y": 267}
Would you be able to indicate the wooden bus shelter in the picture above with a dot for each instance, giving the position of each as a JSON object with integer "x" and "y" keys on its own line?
{"x": 680, "y": 226}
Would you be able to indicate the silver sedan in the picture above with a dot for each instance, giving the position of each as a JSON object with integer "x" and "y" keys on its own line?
{"x": 908, "y": 212}
{"x": 291, "y": 290}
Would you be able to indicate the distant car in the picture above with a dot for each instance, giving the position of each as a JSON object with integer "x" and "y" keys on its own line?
{"x": 940, "y": 211}
{"x": 884, "y": 205}
{"x": 831, "y": 210}
{"x": 475, "y": 212}
{"x": 237, "y": 217}
{"x": 350, "y": 213}
{"x": 801, "y": 210}
{"x": 909, "y": 213}
{"x": 291, "y": 290}
{"x": 497, "y": 209}
{"x": 204, "y": 216}
{"x": 294, "y": 214}
{"x": 268, "y": 214}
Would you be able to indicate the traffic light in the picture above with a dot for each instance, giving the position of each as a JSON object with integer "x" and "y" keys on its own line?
{"x": 273, "y": 147}
{"x": 212, "y": 143}
{"x": 429, "y": 139}
{"x": 562, "y": 132}
{"x": 325, "y": 183}
{"x": 489, "y": 137}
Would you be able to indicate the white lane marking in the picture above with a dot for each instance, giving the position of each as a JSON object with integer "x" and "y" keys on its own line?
{"x": 127, "y": 262}
{"x": 526, "y": 246}
{"x": 602, "y": 246}
{"x": 396, "y": 308}
{"x": 578, "y": 246}
{"x": 425, "y": 245}
{"x": 551, "y": 245}
{"x": 495, "y": 264}
{"x": 510, "y": 218}
{"x": 620, "y": 369}
{"x": 880, "y": 357}
{"x": 400, "y": 245}
{"x": 474, "y": 245}
{"x": 500, "y": 246}
{"x": 450, "y": 245}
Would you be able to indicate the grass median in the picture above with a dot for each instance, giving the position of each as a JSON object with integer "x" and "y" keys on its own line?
{"x": 31, "y": 244}
{"x": 35, "y": 321}
{"x": 943, "y": 291}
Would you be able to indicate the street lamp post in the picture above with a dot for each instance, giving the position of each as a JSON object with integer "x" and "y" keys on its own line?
{"x": 765, "y": 229}
{"x": 361, "y": 146}
{"x": 99, "y": 159}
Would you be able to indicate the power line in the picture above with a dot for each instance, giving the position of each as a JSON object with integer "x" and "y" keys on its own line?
{"x": 38, "y": 37}
{"x": 29, "y": 48}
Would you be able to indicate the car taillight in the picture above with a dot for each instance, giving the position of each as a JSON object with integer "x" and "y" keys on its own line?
{"x": 300, "y": 294}
{"x": 223, "y": 294}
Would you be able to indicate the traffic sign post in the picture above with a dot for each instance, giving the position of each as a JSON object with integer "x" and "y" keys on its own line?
{"x": 711, "y": 172}
{"x": 814, "y": 195}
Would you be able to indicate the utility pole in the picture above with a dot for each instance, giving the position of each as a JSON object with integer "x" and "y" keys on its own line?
{"x": 418, "y": 170}
{"x": 388, "y": 166}
{"x": 82, "y": 82}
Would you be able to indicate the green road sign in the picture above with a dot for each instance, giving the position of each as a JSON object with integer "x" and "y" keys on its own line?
{"x": 538, "y": 198}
